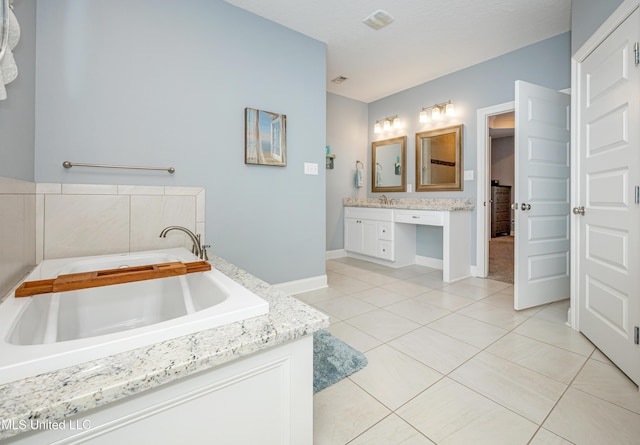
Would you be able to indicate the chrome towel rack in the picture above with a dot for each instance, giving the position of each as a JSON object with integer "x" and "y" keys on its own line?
{"x": 69, "y": 164}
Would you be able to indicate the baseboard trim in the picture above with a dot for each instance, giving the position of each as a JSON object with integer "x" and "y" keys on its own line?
{"x": 304, "y": 285}
{"x": 434, "y": 263}
{"x": 333, "y": 254}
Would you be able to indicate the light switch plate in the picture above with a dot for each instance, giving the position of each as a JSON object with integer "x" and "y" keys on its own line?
{"x": 409, "y": 188}
{"x": 468, "y": 175}
{"x": 310, "y": 168}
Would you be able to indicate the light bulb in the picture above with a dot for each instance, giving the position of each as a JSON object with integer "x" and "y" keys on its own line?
{"x": 396, "y": 122}
{"x": 423, "y": 116}
{"x": 376, "y": 127}
{"x": 387, "y": 125}
{"x": 449, "y": 110}
{"x": 435, "y": 113}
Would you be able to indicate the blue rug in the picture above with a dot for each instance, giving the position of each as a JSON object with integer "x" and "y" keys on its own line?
{"x": 333, "y": 360}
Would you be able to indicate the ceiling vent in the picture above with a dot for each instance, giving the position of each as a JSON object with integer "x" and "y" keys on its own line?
{"x": 339, "y": 79}
{"x": 378, "y": 19}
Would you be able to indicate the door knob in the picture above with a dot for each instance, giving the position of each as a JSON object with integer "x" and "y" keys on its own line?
{"x": 514, "y": 206}
{"x": 525, "y": 206}
{"x": 578, "y": 210}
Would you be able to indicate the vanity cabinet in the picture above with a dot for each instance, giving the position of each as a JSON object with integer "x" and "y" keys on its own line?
{"x": 388, "y": 236}
{"x": 369, "y": 232}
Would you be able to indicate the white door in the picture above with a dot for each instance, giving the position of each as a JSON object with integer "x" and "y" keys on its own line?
{"x": 542, "y": 135}
{"x": 607, "y": 210}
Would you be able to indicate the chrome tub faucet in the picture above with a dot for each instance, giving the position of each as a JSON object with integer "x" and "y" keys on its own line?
{"x": 197, "y": 248}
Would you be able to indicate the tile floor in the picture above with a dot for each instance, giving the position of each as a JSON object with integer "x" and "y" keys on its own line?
{"x": 455, "y": 364}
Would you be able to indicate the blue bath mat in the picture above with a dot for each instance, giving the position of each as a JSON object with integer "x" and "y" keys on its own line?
{"x": 333, "y": 360}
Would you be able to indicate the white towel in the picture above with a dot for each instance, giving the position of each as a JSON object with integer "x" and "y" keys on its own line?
{"x": 8, "y": 67}
{"x": 359, "y": 178}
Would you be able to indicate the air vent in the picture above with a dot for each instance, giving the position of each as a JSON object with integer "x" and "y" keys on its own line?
{"x": 339, "y": 79}
{"x": 378, "y": 19}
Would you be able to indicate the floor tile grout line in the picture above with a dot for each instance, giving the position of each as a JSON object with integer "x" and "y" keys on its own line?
{"x": 448, "y": 375}
{"x": 508, "y": 330}
{"x": 551, "y": 344}
{"x": 596, "y": 396}
{"x": 560, "y": 398}
{"x": 395, "y": 411}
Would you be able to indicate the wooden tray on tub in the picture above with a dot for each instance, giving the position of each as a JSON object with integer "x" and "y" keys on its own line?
{"x": 107, "y": 277}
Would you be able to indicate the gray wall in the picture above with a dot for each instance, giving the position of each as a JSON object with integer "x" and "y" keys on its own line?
{"x": 17, "y": 112}
{"x": 155, "y": 82}
{"x": 347, "y": 136}
{"x": 545, "y": 63}
{"x": 586, "y": 18}
{"x": 503, "y": 160}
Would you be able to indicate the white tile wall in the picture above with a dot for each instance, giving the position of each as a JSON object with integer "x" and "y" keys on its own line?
{"x": 79, "y": 225}
{"x": 17, "y": 230}
{"x": 48, "y": 220}
{"x": 151, "y": 214}
{"x": 88, "y": 219}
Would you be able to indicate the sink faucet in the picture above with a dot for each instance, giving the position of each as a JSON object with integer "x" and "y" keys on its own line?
{"x": 384, "y": 199}
{"x": 197, "y": 249}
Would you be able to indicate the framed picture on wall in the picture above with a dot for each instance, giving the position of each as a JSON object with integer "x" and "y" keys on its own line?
{"x": 265, "y": 141}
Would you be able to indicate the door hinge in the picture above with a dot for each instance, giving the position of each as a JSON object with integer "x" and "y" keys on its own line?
{"x": 637, "y": 194}
{"x": 636, "y": 335}
{"x": 636, "y": 52}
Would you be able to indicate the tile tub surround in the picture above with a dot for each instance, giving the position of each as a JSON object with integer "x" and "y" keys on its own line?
{"x": 17, "y": 241}
{"x": 92, "y": 219}
{"x": 413, "y": 203}
{"x": 70, "y": 391}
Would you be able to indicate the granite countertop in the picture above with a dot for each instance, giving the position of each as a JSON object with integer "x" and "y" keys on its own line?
{"x": 66, "y": 392}
{"x": 412, "y": 203}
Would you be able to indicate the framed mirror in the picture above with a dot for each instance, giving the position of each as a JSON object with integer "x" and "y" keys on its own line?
{"x": 388, "y": 169}
{"x": 439, "y": 160}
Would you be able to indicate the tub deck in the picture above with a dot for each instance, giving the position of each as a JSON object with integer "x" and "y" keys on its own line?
{"x": 60, "y": 394}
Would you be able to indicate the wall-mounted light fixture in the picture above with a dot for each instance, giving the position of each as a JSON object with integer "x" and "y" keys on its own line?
{"x": 436, "y": 111}
{"x": 386, "y": 124}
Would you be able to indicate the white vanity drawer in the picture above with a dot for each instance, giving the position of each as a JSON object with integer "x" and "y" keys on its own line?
{"x": 420, "y": 217}
{"x": 369, "y": 213}
{"x": 385, "y": 231}
{"x": 385, "y": 250}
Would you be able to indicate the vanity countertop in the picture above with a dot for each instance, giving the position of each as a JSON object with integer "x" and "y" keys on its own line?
{"x": 412, "y": 203}
{"x": 66, "y": 392}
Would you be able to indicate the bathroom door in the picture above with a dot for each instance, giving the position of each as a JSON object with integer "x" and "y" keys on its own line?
{"x": 608, "y": 198}
{"x": 542, "y": 174}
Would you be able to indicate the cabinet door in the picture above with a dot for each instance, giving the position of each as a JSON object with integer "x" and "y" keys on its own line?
{"x": 370, "y": 237}
{"x": 353, "y": 235}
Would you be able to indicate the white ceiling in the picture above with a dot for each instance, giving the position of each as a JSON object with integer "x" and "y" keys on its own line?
{"x": 428, "y": 39}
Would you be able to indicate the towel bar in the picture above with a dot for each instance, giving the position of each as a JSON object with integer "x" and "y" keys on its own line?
{"x": 69, "y": 164}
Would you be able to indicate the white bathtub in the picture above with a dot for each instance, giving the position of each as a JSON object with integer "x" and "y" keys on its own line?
{"x": 51, "y": 331}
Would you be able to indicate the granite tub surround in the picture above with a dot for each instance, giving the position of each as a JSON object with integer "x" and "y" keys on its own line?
{"x": 59, "y": 395}
{"x": 412, "y": 203}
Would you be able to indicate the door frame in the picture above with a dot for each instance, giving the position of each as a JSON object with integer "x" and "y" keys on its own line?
{"x": 615, "y": 19}
{"x": 483, "y": 224}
